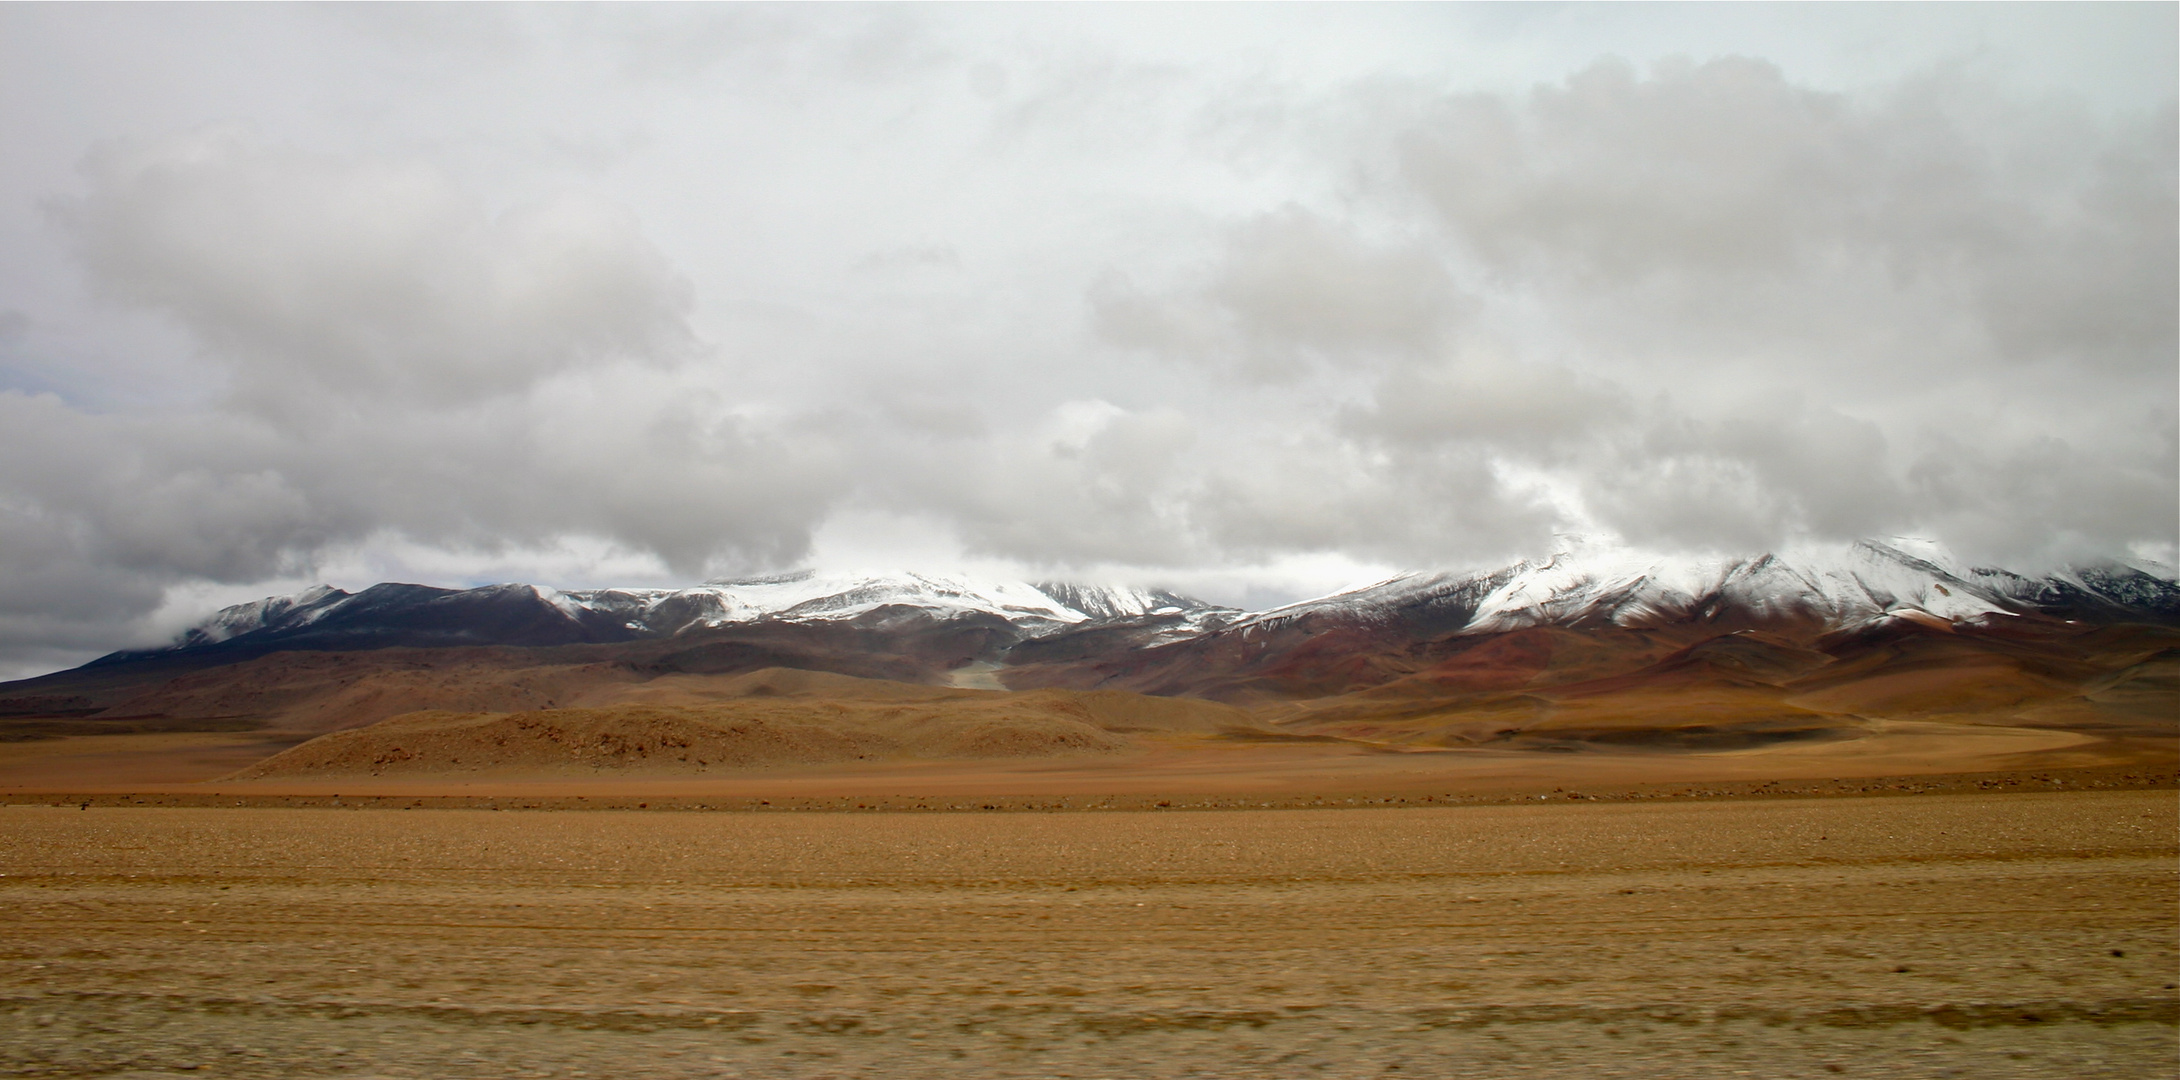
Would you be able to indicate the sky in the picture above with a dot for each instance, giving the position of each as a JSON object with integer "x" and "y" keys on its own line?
{"x": 1256, "y": 302}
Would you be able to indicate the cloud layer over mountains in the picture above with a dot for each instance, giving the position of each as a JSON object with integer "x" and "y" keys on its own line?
{"x": 1246, "y": 305}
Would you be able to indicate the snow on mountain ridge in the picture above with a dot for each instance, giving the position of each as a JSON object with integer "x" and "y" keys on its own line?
{"x": 802, "y": 596}
{"x": 1855, "y": 585}
{"x": 1117, "y": 601}
{"x": 1584, "y": 585}
{"x": 230, "y": 622}
{"x": 807, "y": 595}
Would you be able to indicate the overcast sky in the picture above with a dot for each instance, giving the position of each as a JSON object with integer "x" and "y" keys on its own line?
{"x": 1251, "y": 301}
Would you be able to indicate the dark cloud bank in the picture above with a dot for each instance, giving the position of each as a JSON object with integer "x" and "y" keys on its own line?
{"x": 1382, "y": 321}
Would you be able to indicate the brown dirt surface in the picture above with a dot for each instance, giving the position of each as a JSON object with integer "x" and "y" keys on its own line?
{"x": 1181, "y": 768}
{"x": 1533, "y": 710}
{"x": 767, "y": 718}
{"x": 332, "y": 691}
{"x": 2000, "y": 936}
{"x": 683, "y": 738}
{"x": 1551, "y": 688}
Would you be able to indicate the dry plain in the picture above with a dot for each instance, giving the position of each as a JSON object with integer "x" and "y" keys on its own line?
{"x": 1984, "y": 935}
{"x": 438, "y": 864}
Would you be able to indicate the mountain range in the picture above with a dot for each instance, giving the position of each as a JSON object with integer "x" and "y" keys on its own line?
{"x": 1587, "y": 649}
{"x": 1861, "y": 586}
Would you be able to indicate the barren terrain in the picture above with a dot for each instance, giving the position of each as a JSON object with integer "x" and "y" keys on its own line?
{"x": 1670, "y": 851}
{"x": 2017, "y": 935}
{"x": 1288, "y": 715}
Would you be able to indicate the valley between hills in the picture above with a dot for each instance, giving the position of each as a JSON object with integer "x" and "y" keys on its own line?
{"x": 1540, "y": 709}
{"x": 1556, "y": 677}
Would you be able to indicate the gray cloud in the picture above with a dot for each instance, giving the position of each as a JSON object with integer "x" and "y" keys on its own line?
{"x": 1291, "y": 287}
{"x": 1091, "y": 483}
{"x": 584, "y": 293}
{"x": 302, "y": 271}
{"x": 1714, "y": 309}
{"x": 1721, "y": 206}
{"x": 397, "y": 361}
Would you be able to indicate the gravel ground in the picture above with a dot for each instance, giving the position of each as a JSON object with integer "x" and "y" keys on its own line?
{"x": 2016, "y": 935}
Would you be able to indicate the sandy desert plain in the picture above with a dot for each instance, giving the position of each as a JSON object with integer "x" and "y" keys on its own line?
{"x": 800, "y": 874}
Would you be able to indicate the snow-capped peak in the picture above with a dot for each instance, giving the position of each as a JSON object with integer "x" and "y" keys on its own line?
{"x": 241, "y": 619}
{"x": 1839, "y": 586}
{"x": 809, "y": 595}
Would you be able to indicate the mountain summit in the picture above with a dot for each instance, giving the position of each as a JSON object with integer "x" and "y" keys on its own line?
{"x": 390, "y": 614}
{"x": 1865, "y": 584}
{"x": 1588, "y": 648}
{"x": 1842, "y": 588}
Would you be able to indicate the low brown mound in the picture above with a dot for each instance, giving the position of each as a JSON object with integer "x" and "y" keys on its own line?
{"x": 330, "y": 691}
{"x": 1652, "y": 692}
{"x": 1755, "y": 688}
{"x": 1968, "y": 687}
{"x": 754, "y": 721}
{"x": 686, "y": 689}
{"x": 2140, "y": 700}
{"x": 1110, "y": 710}
{"x": 1120, "y": 711}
